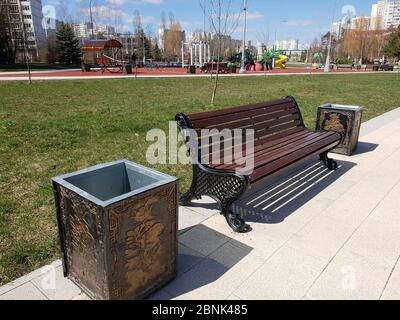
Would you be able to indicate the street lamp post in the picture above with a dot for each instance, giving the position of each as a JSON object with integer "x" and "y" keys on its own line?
{"x": 328, "y": 57}
{"x": 92, "y": 27}
{"x": 91, "y": 18}
{"x": 242, "y": 66}
{"x": 327, "y": 68}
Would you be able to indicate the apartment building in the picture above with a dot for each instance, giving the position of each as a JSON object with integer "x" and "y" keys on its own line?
{"x": 385, "y": 14}
{"x": 289, "y": 44}
{"x": 360, "y": 23}
{"x": 86, "y": 30}
{"x": 24, "y": 17}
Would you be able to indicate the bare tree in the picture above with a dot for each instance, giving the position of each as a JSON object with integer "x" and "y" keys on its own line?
{"x": 223, "y": 22}
{"x": 63, "y": 12}
{"x": 137, "y": 21}
{"x": 171, "y": 19}
{"x": 173, "y": 38}
{"x": 114, "y": 16}
{"x": 263, "y": 35}
{"x": 140, "y": 50}
{"x": 203, "y": 5}
{"x": 163, "y": 21}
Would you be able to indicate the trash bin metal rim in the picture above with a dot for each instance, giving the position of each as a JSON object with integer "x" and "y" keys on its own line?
{"x": 161, "y": 179}
{"x": 341, "y": 107}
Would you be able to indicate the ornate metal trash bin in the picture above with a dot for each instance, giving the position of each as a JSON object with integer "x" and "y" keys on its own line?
{"x": 118, "y": 229}
{"x": 343, "y": 119}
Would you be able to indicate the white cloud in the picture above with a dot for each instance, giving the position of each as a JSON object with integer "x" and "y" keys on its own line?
{"x": 122, "y": 2}
{"x": 251, "y": 16}
{"x": 255, "y": 16}
{"x": 297, "y": 23}
{"x": 117, "y": 17}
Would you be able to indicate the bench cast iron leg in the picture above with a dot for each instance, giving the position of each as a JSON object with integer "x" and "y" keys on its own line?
{"x": 235, "y": 221}
{"x": 330, "y": 163}
{"x": 225, "y": 188}
{"x": 186, "y": 198}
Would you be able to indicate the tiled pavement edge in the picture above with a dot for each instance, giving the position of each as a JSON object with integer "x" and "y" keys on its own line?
{"x": 338, "y": 240}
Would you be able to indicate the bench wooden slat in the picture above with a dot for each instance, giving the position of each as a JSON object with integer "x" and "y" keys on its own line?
{"x": 259, "y": 153}
{"x": 279, "y": 163}
{"x": 267, "y": 155}
{"x": 283, "y": 134}
{"x": 261, "y": 131}
{"x": 239, "y": 116}
{"x": 269, "y": 144}
{"x": 282, "y": 146}
{"x": 223, "y": 112}
{"x": 256, "y": 126}
{"x": 248, "y": 122}
{"x": 263, "y": 145}
{"x": 270, "y": 155}
{"x": 251, "y": 121}
{"x": 264, "y": 134}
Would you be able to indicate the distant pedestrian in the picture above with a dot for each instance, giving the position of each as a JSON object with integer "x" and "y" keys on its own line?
{"x": 133, "y": 59}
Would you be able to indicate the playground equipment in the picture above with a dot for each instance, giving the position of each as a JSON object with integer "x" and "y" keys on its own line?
{"x": 281, "y": 61}
{"x": 271, "y": 55}
{"x": 249, "y": 60}
{"x": 317, "y": 60}
{"x": 195, "y": 54}
{"x": 103, "y": 54}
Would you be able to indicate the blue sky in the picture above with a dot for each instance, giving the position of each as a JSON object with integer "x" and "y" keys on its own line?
{"x": 303, "y": 20}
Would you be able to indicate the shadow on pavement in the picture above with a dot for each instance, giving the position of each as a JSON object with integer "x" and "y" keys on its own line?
{"x": 274, "y": 201}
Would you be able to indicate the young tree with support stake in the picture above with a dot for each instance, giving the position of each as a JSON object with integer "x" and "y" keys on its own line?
{"x": 223, "y": 22}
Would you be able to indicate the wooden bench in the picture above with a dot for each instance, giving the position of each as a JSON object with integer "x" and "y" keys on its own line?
{"x": 106, "y": 64}
{"x": 345, "y": 66}
{"x": 281, "y": 141}
{"x": 372, "y": 67}
{"x": 222, "y": 67}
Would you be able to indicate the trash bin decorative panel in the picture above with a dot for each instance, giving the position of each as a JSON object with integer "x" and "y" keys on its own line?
{"x": 343, "y": 119}
{"x": 118, "y": 229}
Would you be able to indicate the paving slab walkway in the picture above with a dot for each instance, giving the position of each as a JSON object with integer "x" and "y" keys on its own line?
{"x": 316, "y": 235}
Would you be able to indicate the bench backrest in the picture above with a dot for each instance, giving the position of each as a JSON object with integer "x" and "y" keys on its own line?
{"x": 269, "y": 120}
{"x": 213, "y": 66}
{"x": 345, "y": 66}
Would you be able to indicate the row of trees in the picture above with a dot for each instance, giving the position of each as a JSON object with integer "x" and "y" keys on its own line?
{"x": 145, "y": 44}
{"x": 141, "y": 44}
{"x": 360, "y": 44}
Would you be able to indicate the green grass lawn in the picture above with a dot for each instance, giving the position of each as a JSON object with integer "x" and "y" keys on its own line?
{"x": 55, "y": 127}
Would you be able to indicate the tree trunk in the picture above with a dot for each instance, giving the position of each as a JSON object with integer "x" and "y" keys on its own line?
{"x": 214, "y": 94}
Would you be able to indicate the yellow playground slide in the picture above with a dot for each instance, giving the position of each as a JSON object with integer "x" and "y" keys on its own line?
{"x": 281, "y": 61}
